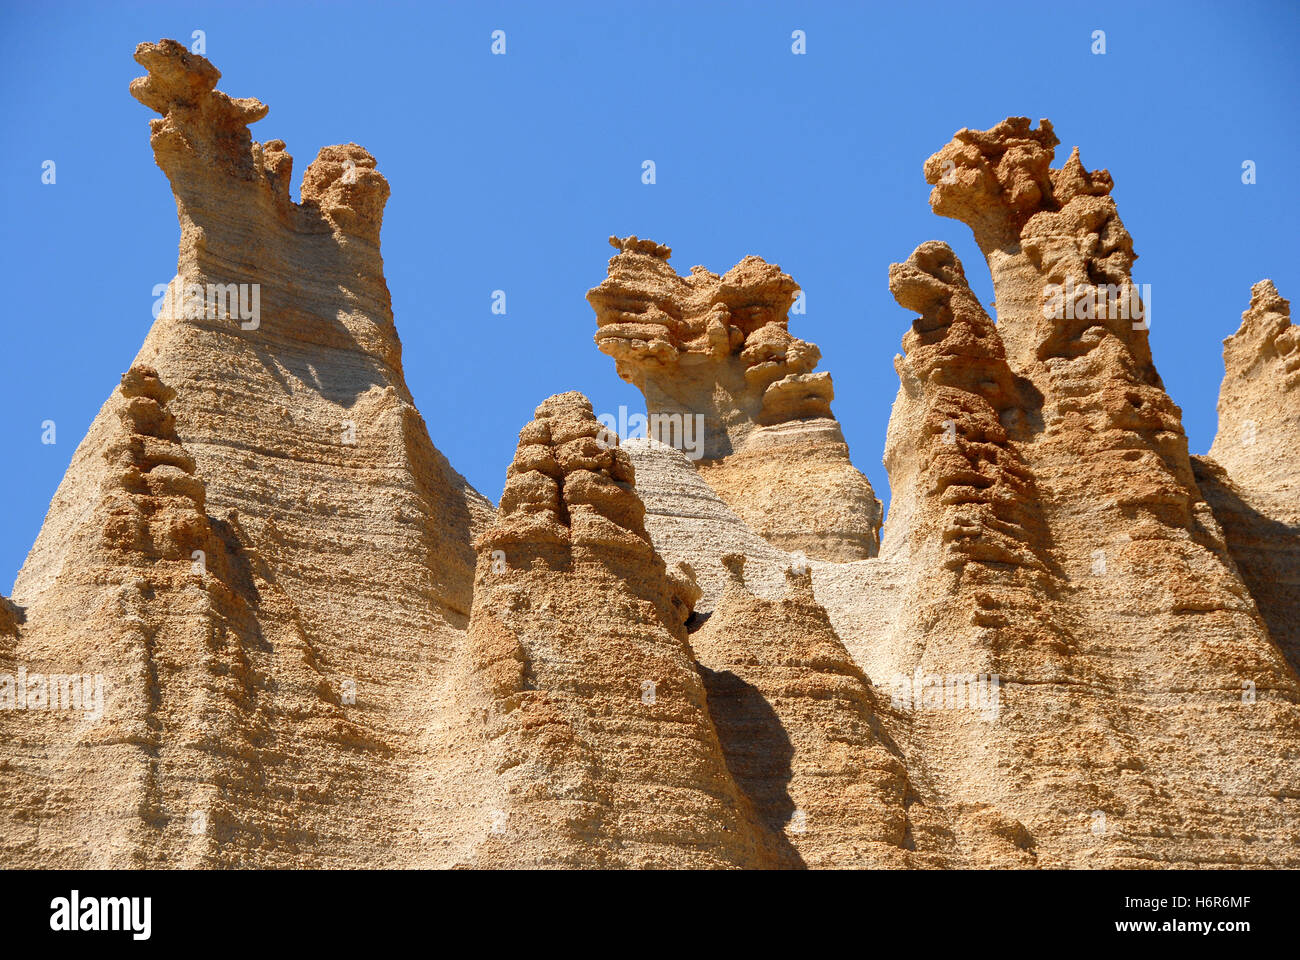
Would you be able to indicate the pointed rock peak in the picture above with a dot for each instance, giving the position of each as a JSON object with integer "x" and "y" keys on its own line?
{"x": 1266, "y": 333}
{"x": 1250, "y": 475}
{"x": 1259, "y": 422}
{"x": 598, "y": 727}
{"x": 1269, "y": 314}
{"x": 235, "y": 660}
{"x": 203, "y": 130}
{"x": 798, "y": 722}
{"x": 569, "y": 494}
{"x": 1073, "y": 180}
{"x": 1264, "y": 296}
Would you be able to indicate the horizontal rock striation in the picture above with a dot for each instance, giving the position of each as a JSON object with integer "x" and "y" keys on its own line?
{"x": 1249, "y": 477}
{"x": 348, "y": 535}
{"x": 265, "y": 624}
{"x": 1162, "y": 649}
{"x": 597, "y": 724}
{"x": 717, "y": 351}
{"x": 805, "y": 736}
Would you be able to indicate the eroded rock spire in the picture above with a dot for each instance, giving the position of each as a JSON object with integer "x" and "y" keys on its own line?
{"x": 1108, "y": 569}
{"x": 317, "y": 646}
{"x": 275, "y": 709}
{"x": 718, "y": 348}
{"x": 204, "y": 133}
{"x": 1259, "y": 402}
{"x": 600, "y": 748}
{"x": 1250, "y": 474}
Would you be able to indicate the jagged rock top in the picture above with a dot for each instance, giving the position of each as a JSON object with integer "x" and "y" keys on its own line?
{"x": 953, "y": 341}
{"x": 320, "y": 672}
{"x": 1266, "y": 333}
{"x": 998, "y": 180}
{"x": 657, "y": 324}
{"x": 568, "y": 491}
{"x": 203, "y": 130}
{"x": 1259, "y": 418}
{"x": 715, "y": 352}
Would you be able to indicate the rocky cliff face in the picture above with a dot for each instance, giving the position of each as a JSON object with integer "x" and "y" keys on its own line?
{"x": 338, "y": 541}
{"x": 266, "y": 624}
{"x": 1249, "y": 477}
{"x": 1128, "y": 610}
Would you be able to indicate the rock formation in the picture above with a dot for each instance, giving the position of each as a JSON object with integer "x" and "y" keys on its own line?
{"x": 1249, "y": 477}
{"x": 1157, "y": 641}
{"x": 803, "y": 732}
{"x": 265, "y": 624}
{"x": 597, "y": 722}
{"x": 1045, "y": 530}
{"x": 339, "y": 561}
{"x": 716, "y": 351}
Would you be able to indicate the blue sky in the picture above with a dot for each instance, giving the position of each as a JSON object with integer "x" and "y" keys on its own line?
{"x": 509, "y": 172}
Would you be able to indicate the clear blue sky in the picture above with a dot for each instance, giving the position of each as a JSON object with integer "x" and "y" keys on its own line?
{"x": 509, "y": 172}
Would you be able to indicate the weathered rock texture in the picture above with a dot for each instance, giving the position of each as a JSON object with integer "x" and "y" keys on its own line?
{"x": 317, "y": 646}
{"x": 281, "y": 706}
{"x": 719, "y": 348}
{"x": 1045, "y": 528}
{"x": 1250, "y": 475}
{"x": 597, "y": 723}
{"x": 803, "y": 731}
{"x": 1097, "y": 579}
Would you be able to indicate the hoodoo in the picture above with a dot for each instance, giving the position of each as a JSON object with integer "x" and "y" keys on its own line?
{"x": 311, "y": 644}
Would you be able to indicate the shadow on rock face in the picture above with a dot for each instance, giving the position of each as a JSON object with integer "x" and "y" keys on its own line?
{"x": 1264, "y": 551}
{"x": 758, "y": 753}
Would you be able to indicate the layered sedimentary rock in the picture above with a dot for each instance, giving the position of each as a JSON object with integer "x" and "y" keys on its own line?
{"x": 266, "y": 624}
{"x": 1161, "y": 648}
{"x": 618, "y": 739}
{"x": 339, "y": 560}
{"x": 1249, "y": 477}
{"x": 721, "y": 371}
{"x": 1048, "y": 542}
{"x": 170, "y": 754}
{"x": 805, "y": 735}
{"x": 597, "y": 724}
{"x": 980, "y": 609}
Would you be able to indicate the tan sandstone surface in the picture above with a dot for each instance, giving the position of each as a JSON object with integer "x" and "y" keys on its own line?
{"x": 338, "y": 564}
{"x": 1250, "y": 474}
{"x": 1075, "y": 645}
{"x": 719, "y": 348}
